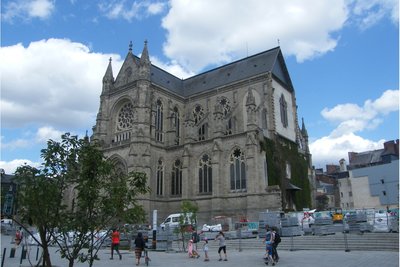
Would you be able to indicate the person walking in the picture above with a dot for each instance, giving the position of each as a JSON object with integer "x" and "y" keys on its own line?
{"x": 205, "y": 248}
{"x": 222, "y": 246}
{"x": 195, "y": 238}
{"x": 115, "y": 238}
{"x": 139, "y": 247}
{"x": 268, "y": 241}
{"x": 18, "y": 236}
{"x": 277, "y": 240}
{"x": 192, "y": 252}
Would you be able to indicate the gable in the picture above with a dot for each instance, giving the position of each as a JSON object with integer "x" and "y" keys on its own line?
{"x": 280, "y": 71}
{"x": 128, "y": 71}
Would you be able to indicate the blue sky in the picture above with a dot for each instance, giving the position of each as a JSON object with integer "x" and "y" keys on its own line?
{"x": 342, "y": 56}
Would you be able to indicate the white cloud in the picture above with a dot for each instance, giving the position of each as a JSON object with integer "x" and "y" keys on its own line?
{"x": 206, "y": 33}
{"x": 214, "y": 32}
{"x": 329, "y": 150}
{"x": 51, "y": 82}
{"x": 369, "y": 12}
{"x": 156, "y": 8}
{"x": 172, "y": 67}
{"x": 388, "y": 102}
{"x": 48, "y": 88}
{"x": 29, "y": 140}
{"x": 137, "y": 10}
{"x": 11, "y": 166}
{"x": 342, "y": 112}
{"x": 28, "y": 9}
{"x": 46, "y": 133}
{"x": 352, "y": 119}
{"x": 16, "y": 144}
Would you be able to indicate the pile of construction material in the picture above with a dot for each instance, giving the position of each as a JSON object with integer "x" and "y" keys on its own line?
{"x": 290, "y": 226}
{"x": 165, "y": 237}
{"x": 323, "y": 226}
{"x": 271, "y": 218}
{"x": 357, "y": 222}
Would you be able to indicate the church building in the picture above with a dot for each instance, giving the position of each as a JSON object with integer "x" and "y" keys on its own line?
{"x": 198, "y": 138}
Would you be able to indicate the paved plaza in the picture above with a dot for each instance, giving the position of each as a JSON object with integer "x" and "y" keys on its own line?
{"x": 245, "y": 258}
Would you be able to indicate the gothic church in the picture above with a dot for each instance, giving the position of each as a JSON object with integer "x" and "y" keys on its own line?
{"x": 198, "y": 138}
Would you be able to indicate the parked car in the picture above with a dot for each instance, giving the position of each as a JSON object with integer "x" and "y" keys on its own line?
{"x": 173, "y": 220}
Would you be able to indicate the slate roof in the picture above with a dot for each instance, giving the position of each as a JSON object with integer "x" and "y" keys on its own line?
{"x": 367, "y": 158}
{"x": 268, "y": 61}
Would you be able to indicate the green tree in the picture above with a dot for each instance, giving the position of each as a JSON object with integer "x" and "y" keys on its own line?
{"x": 187, "y": 220}
{"x": 91, "y": 195}
{"x": 322, "y": 202}
{"x": 39, "y": 204}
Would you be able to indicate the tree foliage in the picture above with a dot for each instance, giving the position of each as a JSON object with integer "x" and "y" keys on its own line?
{"x": 39, "y": 205}
{"x": 189, "y": 211}
{"x": 87, "y": 195}
{"x": 322, "y": 202}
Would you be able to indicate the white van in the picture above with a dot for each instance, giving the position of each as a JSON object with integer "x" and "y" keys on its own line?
{"x": 173, "y": 220}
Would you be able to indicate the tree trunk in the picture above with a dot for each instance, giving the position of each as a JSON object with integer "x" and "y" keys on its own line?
{"x": 46, "y": 254}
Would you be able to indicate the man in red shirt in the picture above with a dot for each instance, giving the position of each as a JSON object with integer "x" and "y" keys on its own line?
{"x": 115, "y": 244}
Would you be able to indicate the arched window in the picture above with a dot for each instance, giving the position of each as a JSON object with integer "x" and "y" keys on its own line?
{"x": 264, "y": 118}
{"x": 283, "y": 108}
{"x": 226, "y": 106}
{"x": 119, "y": 168}
{"x": 238, "y": 170}
{"x": 159, "y": 121}
{"x": 176, "y": 125}
{"x": 229, "y": 126}
{"x": 227, "y": 114}
{"x": 203, "y": 131}
{"x": 176, "y": 179}
{"x": 205, "y": 175}
{"x": 160, "y": 178}
{"x": 198, "y": 113}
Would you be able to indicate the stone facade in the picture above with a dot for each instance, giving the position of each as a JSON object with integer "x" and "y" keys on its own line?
{"x": 199, "y": 138}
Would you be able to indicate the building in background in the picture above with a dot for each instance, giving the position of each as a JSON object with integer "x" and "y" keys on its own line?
{"x": 326, "y": 190}
{"x": 199, "y": 138}
{"x": 373, "y": 179}
{"x": 8, "y": 195}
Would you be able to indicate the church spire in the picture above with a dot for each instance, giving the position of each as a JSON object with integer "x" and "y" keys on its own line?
{"x": 144, "y": 59}
{"x": 144, "y": 69}
{"x": 303, "y": 128}
{"x": 108, "y": 79}
{"x": 109, "y": 73}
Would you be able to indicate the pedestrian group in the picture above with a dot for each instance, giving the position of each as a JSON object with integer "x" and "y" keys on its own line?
{"x": 271, "y": 241}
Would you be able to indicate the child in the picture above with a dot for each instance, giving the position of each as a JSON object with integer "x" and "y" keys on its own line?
{"x": 192, "y": 251}
{"x": 205, "y": 248}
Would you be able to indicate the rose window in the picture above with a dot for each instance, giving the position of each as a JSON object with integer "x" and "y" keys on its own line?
{"x": 125, "y": 117}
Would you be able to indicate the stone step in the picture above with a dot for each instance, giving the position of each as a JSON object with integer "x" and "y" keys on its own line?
{"x": 362, "y": 242}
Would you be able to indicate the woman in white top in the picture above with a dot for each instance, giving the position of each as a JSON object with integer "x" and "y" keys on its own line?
{"x": 222, "y": 246}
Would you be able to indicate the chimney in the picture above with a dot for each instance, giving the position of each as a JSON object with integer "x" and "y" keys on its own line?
{"x": 351, "y": 156}
{"x": 391, "y": 147}
{"x": 343, "y": 166}
{"x": 330, "y": 168}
